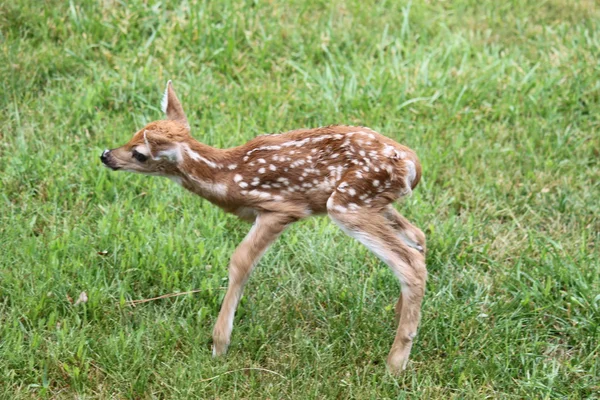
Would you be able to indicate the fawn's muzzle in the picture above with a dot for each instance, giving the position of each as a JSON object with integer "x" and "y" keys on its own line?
{"x": 106, "y": 160}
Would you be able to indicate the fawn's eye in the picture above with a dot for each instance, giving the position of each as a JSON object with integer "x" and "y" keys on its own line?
{"x": 139, "y": 156}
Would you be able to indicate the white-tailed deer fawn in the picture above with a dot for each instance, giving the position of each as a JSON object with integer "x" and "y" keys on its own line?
{"x": 351, "y": 173}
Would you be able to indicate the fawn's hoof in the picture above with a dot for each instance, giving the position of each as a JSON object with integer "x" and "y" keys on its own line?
{"x": 397, "y": 360}
{"x": 219, "y": 348}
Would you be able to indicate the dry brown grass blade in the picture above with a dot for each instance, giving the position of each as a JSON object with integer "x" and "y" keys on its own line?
{"x": 242, "y": 369}
{"x": 165, "y": 296}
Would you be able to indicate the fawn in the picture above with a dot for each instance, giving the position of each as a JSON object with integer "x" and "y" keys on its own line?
{"x": 351, "y": 173}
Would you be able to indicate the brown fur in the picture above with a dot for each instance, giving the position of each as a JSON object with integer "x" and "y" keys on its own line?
{"x": 351, "y": 173}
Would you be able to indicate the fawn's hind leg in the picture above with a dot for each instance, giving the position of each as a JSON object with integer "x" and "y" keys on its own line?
{"x": 407, "y": 232}
{"x": 373, "y": 229}
{"x": 410, "y": 234}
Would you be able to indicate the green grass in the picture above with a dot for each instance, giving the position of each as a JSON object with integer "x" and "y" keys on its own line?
{"x": 501, "y": 100}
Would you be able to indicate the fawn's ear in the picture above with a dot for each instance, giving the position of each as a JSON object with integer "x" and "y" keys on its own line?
{"x": 172, "y": 107}
{"x": 161, "y": 148}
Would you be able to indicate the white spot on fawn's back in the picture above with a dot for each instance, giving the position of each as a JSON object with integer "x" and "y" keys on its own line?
{"x": 388, "y": 150}
{"x": 260, "y": 195}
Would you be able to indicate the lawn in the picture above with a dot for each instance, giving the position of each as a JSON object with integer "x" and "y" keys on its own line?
{"x": 501, "y": 100}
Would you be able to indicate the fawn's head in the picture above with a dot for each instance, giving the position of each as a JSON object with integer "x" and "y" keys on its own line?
{"x": 155, "y": 149}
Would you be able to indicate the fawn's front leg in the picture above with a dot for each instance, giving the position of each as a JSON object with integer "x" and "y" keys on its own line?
{"x": 267, "y": 227}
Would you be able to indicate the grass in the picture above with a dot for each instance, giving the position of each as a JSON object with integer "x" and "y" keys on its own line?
{"x": 500, "y": 100}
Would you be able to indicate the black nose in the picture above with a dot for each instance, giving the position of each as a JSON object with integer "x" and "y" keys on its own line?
{"x": 104, "y": 157}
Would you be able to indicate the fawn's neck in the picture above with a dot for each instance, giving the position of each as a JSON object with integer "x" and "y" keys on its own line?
{"x": 205, "y": 170}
